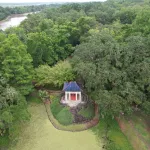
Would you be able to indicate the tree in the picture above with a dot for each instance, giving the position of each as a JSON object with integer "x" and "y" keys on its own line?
{"x": 13, "y": 109}
{"x": 16, "y": 64}
{"x": 20, "y": 32}
{"x": 141, "y": 22}
{"x": 56, "y": 75}
{"x": 127, "y": 15}
{"x": 40, "y": 46}
{"x": 112, "y": 73}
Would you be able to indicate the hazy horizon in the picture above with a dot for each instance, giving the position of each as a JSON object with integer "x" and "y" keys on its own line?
{"x": 47, "y": 1}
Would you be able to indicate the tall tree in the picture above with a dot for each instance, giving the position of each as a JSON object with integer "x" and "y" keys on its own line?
{"x": 56, "y": 75}
{"x": 113, "y": 74}
{"x": 16, "y": 64}
{"x": 13, "y": 109}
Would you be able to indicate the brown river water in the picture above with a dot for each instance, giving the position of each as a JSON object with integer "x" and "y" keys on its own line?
{"x": 13, "y": 20}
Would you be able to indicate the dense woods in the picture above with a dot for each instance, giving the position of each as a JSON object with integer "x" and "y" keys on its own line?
{"x": 107, "y": 45}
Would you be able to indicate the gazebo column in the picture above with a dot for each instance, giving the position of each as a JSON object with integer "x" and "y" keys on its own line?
{"x": 80, "y": 96}
{"x": 76, "y": 96}
{"x": 65, "y": 96}
{"x": 69, "y": 96}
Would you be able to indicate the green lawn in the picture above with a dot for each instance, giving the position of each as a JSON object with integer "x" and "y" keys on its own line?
{"x": 39, "y": 134}
{"x": 135, "y": 127}
{"x": 116, "y": 139}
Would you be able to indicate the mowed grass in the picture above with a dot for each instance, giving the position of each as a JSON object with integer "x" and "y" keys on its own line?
{"x": 39, "y": 134}
{"x": 136, "y": 128}
{"x": 118, "y": 141}
{"x": 139, "y": 122}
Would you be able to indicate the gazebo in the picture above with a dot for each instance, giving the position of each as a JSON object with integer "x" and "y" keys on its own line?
{"x": 72, "y": 94}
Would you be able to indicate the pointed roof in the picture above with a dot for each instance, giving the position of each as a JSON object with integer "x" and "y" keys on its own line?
{"x": 71, "y": 87}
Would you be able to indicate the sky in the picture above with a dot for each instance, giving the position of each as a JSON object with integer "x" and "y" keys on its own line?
{"x": 30, "y": 1}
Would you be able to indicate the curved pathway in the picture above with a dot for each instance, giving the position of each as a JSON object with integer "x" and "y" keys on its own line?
{"x": 39, "y": 134}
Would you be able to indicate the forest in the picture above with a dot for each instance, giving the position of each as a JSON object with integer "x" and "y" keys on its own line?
{"x": 104, "y": 44}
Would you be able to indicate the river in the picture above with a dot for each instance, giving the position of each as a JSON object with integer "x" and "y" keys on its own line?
{"x": 13, "y": 20}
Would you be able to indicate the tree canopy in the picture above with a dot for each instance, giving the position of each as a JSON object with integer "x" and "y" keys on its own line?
{"x": 16, "y": 64}
{"x": 13, "y": 109}
{"x": 104, "y": 44}
{"x": 56, "y": 75}
{"x": 116, "y": 75}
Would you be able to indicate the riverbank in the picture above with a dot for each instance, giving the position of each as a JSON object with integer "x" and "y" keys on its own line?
{"x": 14, "y": 15}
{"x": 13, "y": 20}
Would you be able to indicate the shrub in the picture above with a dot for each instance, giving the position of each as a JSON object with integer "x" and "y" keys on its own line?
{"x": 88, "y": 112}
{"x": 64, "y": 116}
{"x": 44, "y": 95}
{"x": 34, "y": 97}
{"x": 55, "y": 106}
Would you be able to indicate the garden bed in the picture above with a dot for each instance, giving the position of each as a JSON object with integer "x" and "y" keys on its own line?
{"x": 60, "y": 112}
{"x": 62, "y": 118}
{"x": 68, "y": 115}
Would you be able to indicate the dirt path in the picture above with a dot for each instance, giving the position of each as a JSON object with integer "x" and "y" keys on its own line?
{"x": 39, "y": 134}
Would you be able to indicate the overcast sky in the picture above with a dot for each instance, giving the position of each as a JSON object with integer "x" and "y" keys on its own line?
{"x": 30, "y": 1}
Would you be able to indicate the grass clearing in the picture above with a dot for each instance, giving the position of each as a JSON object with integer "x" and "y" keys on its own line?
{"x": 109, "y": 128}
{"x": 39, "y": 134}
{"x": 135, "y": 127}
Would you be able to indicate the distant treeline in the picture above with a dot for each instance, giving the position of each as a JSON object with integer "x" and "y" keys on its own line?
{"x": 6, "y": 11}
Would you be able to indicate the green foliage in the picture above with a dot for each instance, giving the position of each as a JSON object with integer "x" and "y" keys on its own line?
{"x": 33, "y": 97}
{"x": 64, "y": 116}
{"x": 141, "y": 22}
{"x": 116, "y": 75}
{"x": 49, "y": 48}
{"x": 4, "y": 141}
{"x": 13, "y": 110}
{"x": 44, "y": 95}
{"x": 111, "y": 44}
{"x": 16, "y": 64}
{"x": 88, "y": 112}
{"x": 109, "y": 130}
{"x": 20, "y": 32}
{"x": 55, "y": 105}
{"x": 41, "y": 51}
{"x": 56, "y": 75}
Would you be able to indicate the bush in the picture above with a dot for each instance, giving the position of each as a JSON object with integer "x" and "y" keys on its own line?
{"x": 88, "y": 112}
{"x": 55, "y": 105}
{"x": 64, "y": 116}
{"x": 34, "y": 97}
{"x": 4, "y": 141}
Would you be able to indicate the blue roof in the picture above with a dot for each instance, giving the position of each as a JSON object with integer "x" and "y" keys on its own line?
{"x": 71, "y": 86}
